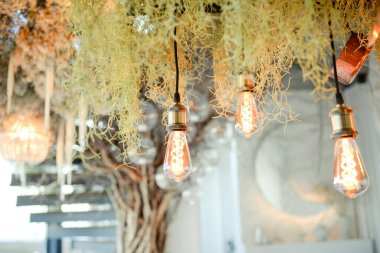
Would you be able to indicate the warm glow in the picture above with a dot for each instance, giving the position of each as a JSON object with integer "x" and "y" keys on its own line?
{"x": 23, "y": 130}
{"x": 375, "y": 34}
{"x": 350, "y": 176}
{"x": 246, "y": 115}
{"x": 177, "y": 164}
{"x": 24, "y": 140}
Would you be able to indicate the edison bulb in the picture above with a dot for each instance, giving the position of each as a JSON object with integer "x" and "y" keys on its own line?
{"x": 246, "y": 114}
{"x": 350, "y": 176}
{"x": 177, "y": 163}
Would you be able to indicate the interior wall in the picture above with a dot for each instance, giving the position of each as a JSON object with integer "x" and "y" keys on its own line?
{"x": 365, "y": 99}
{"x": 184, "y": 229}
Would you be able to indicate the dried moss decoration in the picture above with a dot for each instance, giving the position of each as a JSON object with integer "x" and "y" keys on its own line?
{"x": 126, "y": 47}
{"x": 37, "y": 34}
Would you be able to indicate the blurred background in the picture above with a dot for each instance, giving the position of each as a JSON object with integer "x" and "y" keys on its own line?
{"x": 267, "y": 194}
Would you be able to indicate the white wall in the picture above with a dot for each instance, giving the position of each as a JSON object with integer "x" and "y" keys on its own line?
{"x": 184, "y": 230}
{"x": 365, "y": 99}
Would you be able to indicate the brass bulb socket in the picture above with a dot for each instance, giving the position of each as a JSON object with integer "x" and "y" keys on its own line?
{"x": 177, "y": 117}
{"x": 247, "y": 89}
{"x": 248, "y": 84}
{"x": 342, "y": 121}
{"x": 246, "y": 81}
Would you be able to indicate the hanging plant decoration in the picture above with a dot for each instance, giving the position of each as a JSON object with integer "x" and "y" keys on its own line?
{"x": 124, "y": 51}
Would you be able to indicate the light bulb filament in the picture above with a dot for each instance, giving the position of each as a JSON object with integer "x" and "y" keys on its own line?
{"x": 348, "y": 166}
{"x": 246, "y": 115}
{"x": 350, "y": 176}
{"x": 177, "y": 164}
{"x": 177, "y": 156}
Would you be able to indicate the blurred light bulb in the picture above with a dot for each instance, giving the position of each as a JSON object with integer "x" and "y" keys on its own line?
{"x": 177, "y": 163}
{"x": 149, "y": 118}
{"x": 145, "y": 154}
{"x": 350, "y": 176}
{"x": 199, "y": 106}
{"x": 26, "y": 133}
{"x": 246, "y": 114}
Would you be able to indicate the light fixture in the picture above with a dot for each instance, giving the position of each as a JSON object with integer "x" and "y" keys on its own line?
{"x": 246, "y": 119}
{"x": 24, "y": 140}
{"x": 177, "y": 163}
{"x": 350, "y": 176}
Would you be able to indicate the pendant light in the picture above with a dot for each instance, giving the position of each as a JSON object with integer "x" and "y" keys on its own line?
{"x": 246, "y": 119}
{"x": 177, "y": 163}
{"x": 350, "y": 175}
{"x": 24, "y": 139}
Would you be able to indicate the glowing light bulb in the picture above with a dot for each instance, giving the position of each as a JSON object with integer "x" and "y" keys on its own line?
{"x": 375, "y": 34}
{"x": 246, "y": 114}
{"x": 177, "y": 163}
{"x": 350, "y": 176}
{"x": 25, "y": 133}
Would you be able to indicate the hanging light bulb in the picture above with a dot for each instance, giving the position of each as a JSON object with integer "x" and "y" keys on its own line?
{"x": 350, "y": 176}
{"x": 246, "y": 120}
{"x": 177, "y": 163}
{"x": 24, "y": 139}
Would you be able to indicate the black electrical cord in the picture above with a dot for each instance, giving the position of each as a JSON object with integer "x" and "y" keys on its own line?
{"x": 338, "y": 94}
{"x": 177, "y": 98}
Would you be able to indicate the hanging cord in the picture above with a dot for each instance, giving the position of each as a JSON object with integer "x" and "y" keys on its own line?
{"x": 177, "y": 98}
{"x": 338, "y": 95}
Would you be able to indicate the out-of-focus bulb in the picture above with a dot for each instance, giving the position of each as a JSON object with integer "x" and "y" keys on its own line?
{"x": 177, "y": 163}
{"x": 350, "y": 176}
{"x": 26, "y": 133}
{"x": 246, "y": 114}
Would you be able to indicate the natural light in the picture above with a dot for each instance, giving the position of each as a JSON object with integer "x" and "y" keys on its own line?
{"x": 14, "y": 221}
